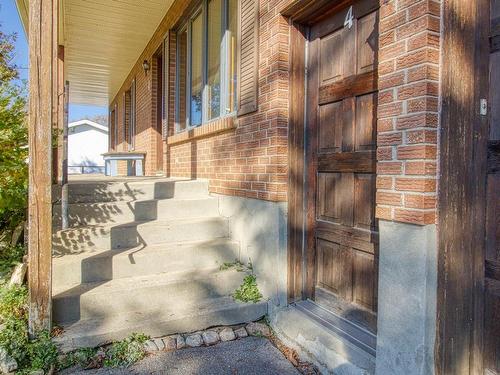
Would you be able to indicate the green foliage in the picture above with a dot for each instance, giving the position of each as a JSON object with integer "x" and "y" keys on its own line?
{"x": 119, "y": 354}
{"x": 9, "y": 257}
{"x": 237, "y": 265}
{"x": 13, "y": 139}
{"x": 13, "y": 303}
{"x": 8, "y": 71}
{"x": 14, "y": 318}
{"x": 37, "y": 354}
{"x": 248, "y": 291}
{"x": 126, "y": 352}
{"x": 42, "y": 352}
{"x": 82, "y": 357}
{"x": 240, "y": 267}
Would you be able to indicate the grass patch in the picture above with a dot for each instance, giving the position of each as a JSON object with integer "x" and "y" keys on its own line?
{"x": 119, "y": 354}
{"x": 126, "y": 352}
{"x": 84, "y": 357}
{"x": 248, "y": 291}
{"x": 237, "y": 265}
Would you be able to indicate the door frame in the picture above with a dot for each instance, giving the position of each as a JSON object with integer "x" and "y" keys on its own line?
{"x": 301, "y": 181}
{"x": 296, "y": 156}
{"x": 462, "y": 187}
{"x": 301, "y": 261}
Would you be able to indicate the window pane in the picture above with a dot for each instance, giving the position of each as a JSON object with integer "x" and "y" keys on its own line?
{"x": 196, "y": 69}
{"x": 232, "y": 34}
{"x": 182, "y": 77}
{"x": 214, "y": 48}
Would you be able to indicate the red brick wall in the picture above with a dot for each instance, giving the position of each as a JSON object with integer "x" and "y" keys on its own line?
{"x": 251, "y": 160}
{"x": 408, "y": 110}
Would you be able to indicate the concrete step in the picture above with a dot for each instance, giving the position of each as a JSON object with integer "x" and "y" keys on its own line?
{"x": 175, "y": 318}
{"x": 81, "y": 214}
{"x": 72, "y": 270}
{"x": 135, "y": 189}
{"x": 136, "y": 294}
{"x": 139, "y": 233}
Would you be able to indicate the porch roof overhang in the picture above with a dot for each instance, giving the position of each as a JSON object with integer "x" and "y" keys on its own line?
{"x": 102, "y": 40}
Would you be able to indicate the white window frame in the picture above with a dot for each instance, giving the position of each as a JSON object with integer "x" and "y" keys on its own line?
{"x": 224, "y": 66}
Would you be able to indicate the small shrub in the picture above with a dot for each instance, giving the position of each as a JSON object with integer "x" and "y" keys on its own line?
{"x": 248, "y": 291}
{"x": 42, "y": 352}
{"x": 126, "y": 352}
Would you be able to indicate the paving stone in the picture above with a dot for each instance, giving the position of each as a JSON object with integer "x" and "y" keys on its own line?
{"x": 210, "y": 337}
{"x": 241, "y": 332}
{"x": 227, "y": 334}
{"x": 194, "y": 340}
{"x": 258, "y": 329}
{"x": 181, "y": 342}
{"x": 159, "y": 344}
{"x": 150, "y": 346}
{"x": 7, "y": 363}
{"x": 170, "y": 343}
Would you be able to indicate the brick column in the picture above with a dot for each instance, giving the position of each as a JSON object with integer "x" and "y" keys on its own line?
{"x": 408, "y": 111}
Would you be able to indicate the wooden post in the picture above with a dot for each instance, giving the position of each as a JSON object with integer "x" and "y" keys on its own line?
{"x": 43, "y": 70}
{"x": 462, "y": 187}
{"x": 60, "y": 116}
{"x": 64, "y": 181}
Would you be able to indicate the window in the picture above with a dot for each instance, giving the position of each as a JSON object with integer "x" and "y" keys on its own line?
{"x": 206, "y": 64}
{"x": 196, "y": 54}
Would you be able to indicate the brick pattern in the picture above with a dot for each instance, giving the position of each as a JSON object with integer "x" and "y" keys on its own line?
{"x": 408, "y": 110}
{"x": 250, "y": 160}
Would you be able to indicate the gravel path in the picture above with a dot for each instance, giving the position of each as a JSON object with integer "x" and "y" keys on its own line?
{"x": 249, "y": 356}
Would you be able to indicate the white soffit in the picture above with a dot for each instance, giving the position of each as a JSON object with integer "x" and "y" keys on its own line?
{"x": 103, "y": 40}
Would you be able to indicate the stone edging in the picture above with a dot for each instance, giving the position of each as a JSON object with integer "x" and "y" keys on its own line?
{"x": 208, "y": 337}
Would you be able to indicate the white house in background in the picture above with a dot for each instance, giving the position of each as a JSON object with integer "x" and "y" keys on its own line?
{"x": 87, "y": 141}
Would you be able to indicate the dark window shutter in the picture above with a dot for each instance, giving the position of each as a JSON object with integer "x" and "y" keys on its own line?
{"x": 248, "y": 56}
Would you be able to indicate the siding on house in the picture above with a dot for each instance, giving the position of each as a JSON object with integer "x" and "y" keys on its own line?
{"x": 87, "y": 141}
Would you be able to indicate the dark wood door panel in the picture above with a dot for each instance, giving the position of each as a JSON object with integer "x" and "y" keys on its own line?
{"x": 347, "y": 162}
{"x": 347, "y": 272}
{"x": 352, "y": 85}
{"x": 341, "y": 127}
{"x": 364, "y": 240}
{"x": 336, "y": 21}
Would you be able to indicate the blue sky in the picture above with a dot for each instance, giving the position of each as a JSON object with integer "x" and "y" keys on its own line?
{"x": 10, "y": 22}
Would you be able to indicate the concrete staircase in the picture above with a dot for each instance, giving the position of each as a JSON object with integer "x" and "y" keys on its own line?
{"x": 143, "y": 256}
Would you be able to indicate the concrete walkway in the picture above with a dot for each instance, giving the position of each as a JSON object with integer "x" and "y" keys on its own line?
{"x": 249, "y": 356}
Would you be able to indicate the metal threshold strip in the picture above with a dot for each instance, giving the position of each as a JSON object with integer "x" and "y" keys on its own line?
{"x": 349, "y": 331}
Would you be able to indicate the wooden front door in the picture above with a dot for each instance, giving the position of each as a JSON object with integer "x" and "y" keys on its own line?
{"x": 342, "y": 231}
{"x": 491, "y": 347}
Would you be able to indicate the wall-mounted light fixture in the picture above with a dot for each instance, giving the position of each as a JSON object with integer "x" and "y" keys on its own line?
{"x": 146, "y": 66}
